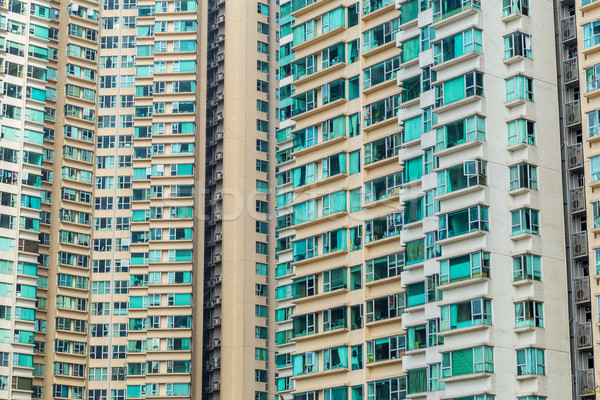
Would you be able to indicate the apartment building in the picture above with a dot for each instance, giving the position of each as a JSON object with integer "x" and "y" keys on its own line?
{"x": 130, "y": 163}
{"x": 423, "y": 256}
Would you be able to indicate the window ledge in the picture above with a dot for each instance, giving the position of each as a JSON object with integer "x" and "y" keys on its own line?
{"x": 318, "y": 38}
{"x": 419, "y": 307}
{"x": 463, "y": 330}
{"x": 516, "y": 102}
{"x": 414, "y": 224}
{"x": 460, "y": 378}
{"x": 456, "y": 104}
{"x": 410, "y": 63}
{"x": 319, "y": 145}
{"x": 385, "y": 200}
{"x": 512, "y": 17}
{"x": 522, "y": 236}
{"x": 380, "y": 124}
{"x": 524, "y": 329}
{"x": 376, "y": 364}
{"x": 320, "y": 296}
{"x": 409, "y": 24}
{"x": 518, "y": 146}
{"x": 466, "y": 282}
{"x": 415, "y": 352}
{"x": 411, "y": 183}
{"x": 323, "y": 373}
{"x": 593, "y": 139}
{"x": 523, "y": 282}
{"x": 518, "y": 191}
{"x": 308, "y": 8}
{"x": 461, "y": 237}
{"x": 453, "y": 149}
{"x": 378, "y": 12}
{"x": 526, "y": 377}
{"x": 414, "y": 266}
{"x": 385, "y": 281}
{"x": 383, "y": 321}
{"x": 319, "y": 219}
{"x": 379, "y": 86}
{"x": 320, "y": 257}
{"x": 382, "y": 161}
{"x": 383, "y": 240}
{"x": 438, "y": 23}
{"x": 321, "y": 334}
{"x": 460, "y": 192}
{"x": 372, "y": 52}
{"x": 590, "y": 50}
{"x": 320, "y": 72}
{"x": 318, "y": 109}
{"x": 411, "y": 102}
{"x": 589, "y": 6}
{"x": 515, "y": 59}
{"x": 456, "y": 60}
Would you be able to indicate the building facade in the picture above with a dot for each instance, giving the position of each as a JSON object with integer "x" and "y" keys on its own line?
{"x": 425, "y": 259}
{"x": 129, "y": 164}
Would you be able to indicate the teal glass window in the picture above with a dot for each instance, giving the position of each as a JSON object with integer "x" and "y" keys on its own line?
{"x": 466, "y": 313}
{"x": 468, "y": 361}
{"x": 456, "y": 46}
{"x": 464, "y": 267}
{"x": 519, "y": 88}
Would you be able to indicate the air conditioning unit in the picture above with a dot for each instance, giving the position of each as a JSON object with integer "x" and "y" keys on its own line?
{"x": 220, "y": 19}
{"x": 216, "y": 321}
{"x": 575, "y": 205}
{"x": 218, "y": 237}
{"x": 220, "y": 37}
{"x": 571, "y": 118}
{"x": 218, "y": 257}
{"x": 219, "y": 136}
{"x": 580, "y": 295}
{"x": 217, "y": 279}
{"x": 216, "y": 362}
{"x": 216, "y": 300}
{"x": 218, "y": 216}
{"x": 220, "y": 96}
{"x": 219, "y": 155}
{"x": 584, "y": 341}
{"x": 219, "y": 175}
{"x": 570, "y": 75}
{"x": 220, "y": 76}
{"x": 567, "y": 33}
{"x": 578, "y": 248}
{"x": 218, "y": 195}
{"x": 216, "y": 342}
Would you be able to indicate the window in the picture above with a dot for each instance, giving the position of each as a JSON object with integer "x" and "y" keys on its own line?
{"x": 519, "y": 88}
{"x": 515, "y": 7}
{"x": 389, "y": 348}
{"x": 529, "y": 314}
{"x": 463, "y": 221}
{"x": 385, "y": 307}
{"x": 531, "y": 361}
{"x": 466, "y": 313}
{"x": 467, "y": 361}
{"x": 456, "y": 46}
{"x": 517, "y": 44}
{"x": 465, "y": 267}
{"x": 525, "y": 220}
{"x": 387, "y": 389}
{"x": 460, "y": 88}
{"x": 459, "y": 132}
{"x": 522, "y": 131}
{"x": 469, "y": 173}
{"x": 523, "y": 176}
{"x": 384, "y": 267}
{"x": 527, "y": 266}
{"x": 592, "y": 78}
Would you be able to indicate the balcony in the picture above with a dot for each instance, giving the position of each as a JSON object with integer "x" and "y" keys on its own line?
{"x": 579, "y": 244}
{"x": 573, "y": 113}
{"x": 583, "y": 335}
{"x": 575, "y": 156}
{"x": 584, "y": 382}
{"x": 577, "y": 200}
{"x": 582, "y": 289}
{"x": 568, "y": 30}
{"x": 570, "y": 71}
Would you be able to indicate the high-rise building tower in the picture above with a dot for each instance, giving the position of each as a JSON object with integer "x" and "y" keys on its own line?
{"x": 136, "y": 148}
{"x": 426, "y": 253}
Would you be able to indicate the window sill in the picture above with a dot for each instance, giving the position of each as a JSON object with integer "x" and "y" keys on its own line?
{"x": 412, "y": 142}
{"x": 383, "y": 322}
{"x": 384, "y": 161}
{"x": 322, "y": 373}
{"x": 409, "y": 63}
{"x": 515, "y": 59}
{"x": 460, "y": 192}
{"x": 454, "y": 149}
{"x": 466, "y": 282}
{"x": 318, "y": 109}
{"x": 415, "y": 352}
{"x": 589, "y": 7}
{"x": 454, "y": 61}
{"x": 448, "y": 20}
{"x": 464, "y": 236}
{"x": 383, "y": 240}
{"x": 522, "y": 236}
{"x": 320, "y": 335}
{"x": 518, "y": 146}
{"x": 412, "y": 225}
{"x": 318, "y": 38}
{"x": 456, "y": 104}
{"x": 409, "y": 24}
{"x": 511, "y": 17}
{"x": 319, "y": 145}
{"x": 376, "y": 364}
{"x": 417, "y": 308}
{"x": 519, "y": 191}
{"x": 385, "y": 200}
{"x": 385, "y": 281}
{"x": 320, "y": 296}
{"x": 459, "y": 331}
{"x": 526, "y": 377}
{"x": 308, "y": 8}
{"x": 516, "y": 102}
{"x": 380, "y": 124}
{"x": 415, "y": 266}
{"x": 475, "y": 376}
{"x": 590, "y": 50}
{"x": 523, "y": 282}
{"x": 319, "y": 73}
{"x": 379, "y": 86}
{"x": 593, "y": 139}
{"x": 319, "y": 219}
{"x": 408, "y": 184}
{"x": 411, "y": 102}
{"x": 378, "y": 12}
{"x": 376, "y": 50}
{"x": 319, "y": 257}
{"x": 524, "y": 329}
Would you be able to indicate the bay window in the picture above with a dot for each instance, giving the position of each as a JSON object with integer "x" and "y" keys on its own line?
{"x": 384, "y": 267}
{"x": 385, "y": 307}
{"x": 388, "y": 348}
{"x": 462, "y": 87}
{"x": 464, "y": 267}
{"x": 459, "y": 132}
{"x": 469, "y": 173}
{"x": 456, "y": 46}
{"x": 525, "y": 220}
{"x": 383, "y": 227}
{"x": 304, "y": 325}
{"x": 463, "y": 221}
{"x": 529, "y": 313}
{"x": 467, "y": 361}
{"x": 531, "y": 361}
{"x": 466, "y": 313}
